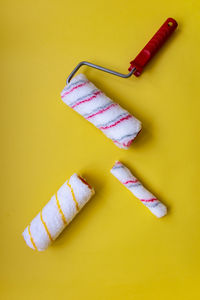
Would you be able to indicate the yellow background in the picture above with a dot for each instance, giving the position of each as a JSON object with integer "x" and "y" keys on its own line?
{"x": 115, "y": 249}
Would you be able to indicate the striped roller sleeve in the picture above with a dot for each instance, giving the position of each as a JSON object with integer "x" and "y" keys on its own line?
{"x": 58, "y": 213}
{"x": 124, "y": 175}
{"x": 114, "y": 121}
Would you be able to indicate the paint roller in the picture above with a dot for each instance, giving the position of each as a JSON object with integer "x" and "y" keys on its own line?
{"x": 85, "y": 98}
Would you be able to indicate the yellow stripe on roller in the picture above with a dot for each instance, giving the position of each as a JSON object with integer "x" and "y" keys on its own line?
{"x": 73, "y": 195}
{"x": 31, "y": 238}
{"x": 60, "y": 210}
{"x": 45, "y": 226}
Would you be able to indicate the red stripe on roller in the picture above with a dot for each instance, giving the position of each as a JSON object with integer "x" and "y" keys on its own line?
{"x": 102, "y": 110}
{"x": 129, "y": 143}
{"x": 130, "y": 181}
{"x": 116, "y": 123}
{"x": 85, "y": 182}
{"x": 87, "y": 100}
{"x": 74, "y": 88}
{"x": 150, "y": 200}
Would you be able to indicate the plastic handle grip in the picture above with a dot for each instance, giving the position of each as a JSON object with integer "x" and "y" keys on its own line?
{"x": 153, "y": 46}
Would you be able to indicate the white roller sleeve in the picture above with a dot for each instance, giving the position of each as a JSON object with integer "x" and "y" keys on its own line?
{"x": 115, "y": 122}
{"x": 124, "y": 175}
{"x": 58, "y": 213}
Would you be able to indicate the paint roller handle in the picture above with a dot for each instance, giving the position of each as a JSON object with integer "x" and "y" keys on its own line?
{"x": 153, "y": 46}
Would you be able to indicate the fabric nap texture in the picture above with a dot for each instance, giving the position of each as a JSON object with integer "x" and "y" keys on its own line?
{"x": 124, "y": 175}
{"x": 58, "y": 213}
{"x": 114, "y": 121}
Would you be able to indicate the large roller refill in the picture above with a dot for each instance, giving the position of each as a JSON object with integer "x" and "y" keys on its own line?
{"x": 90, "y": 102}
{"x": 58, "y": 213}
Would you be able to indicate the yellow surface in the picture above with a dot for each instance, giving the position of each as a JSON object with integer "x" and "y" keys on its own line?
{"x": 115, "y": 249}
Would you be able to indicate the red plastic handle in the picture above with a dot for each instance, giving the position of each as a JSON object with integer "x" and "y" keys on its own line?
{"x": 153, "y": 46}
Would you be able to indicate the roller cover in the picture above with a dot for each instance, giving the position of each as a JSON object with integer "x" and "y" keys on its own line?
{"x": 114, "y": 121}
{"x": 124, "y": 175}
{"x": 58, "y": 213}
